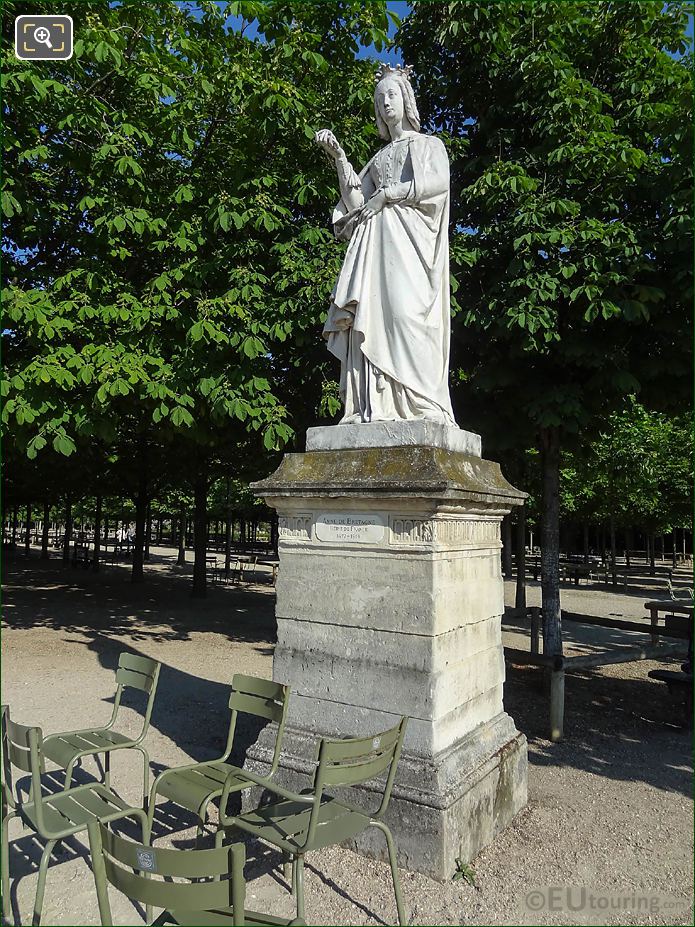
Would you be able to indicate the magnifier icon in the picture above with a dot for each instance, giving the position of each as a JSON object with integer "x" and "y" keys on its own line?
{"x": 42, "y": 35}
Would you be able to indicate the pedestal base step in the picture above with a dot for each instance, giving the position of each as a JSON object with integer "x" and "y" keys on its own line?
{"x": 447, "y": 808}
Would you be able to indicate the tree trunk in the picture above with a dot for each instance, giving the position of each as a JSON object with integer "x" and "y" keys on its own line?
{"x": 674, "y": 558}
{"x": 275, "y": 532}
{"x": 148, "y": 532}
{"x": 652, "y": 544}
{"x": 520, "y": 597}
{"x": 586, "y": 541}
{"x": 661, "y": 548}
{"x": 27, "y": 533}
{"x": 15, "y": 525}
{"x": 242, "y": 533}
{"x": 629, "y": 545}
{"x": 68, "y": 530}
{"x": 683, "y": 539}
{"x": 97, "y": 535}
{"x": 44, "y": 534}
{"x": 550, "y": 542}
{"x": 181, "y": 559}
{"x": 200, "y": 531}
{"x": 160, "y": 529}
{"x": 614, "y": 554}
{"x": 227, "y": 533}
{"x": 507, "y": 546}
{"x": 137, "y": 574}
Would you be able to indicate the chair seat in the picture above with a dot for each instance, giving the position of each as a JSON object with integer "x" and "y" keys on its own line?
{"x": 63, "y": 748}
{"x": 72, "y": 810}
{"x": 222, "y": 916}
{"x": 286, "y": 823}
{"x": 190, "y": 788}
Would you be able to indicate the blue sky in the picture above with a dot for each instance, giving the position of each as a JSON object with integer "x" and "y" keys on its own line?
{"x": 400, "y": 7}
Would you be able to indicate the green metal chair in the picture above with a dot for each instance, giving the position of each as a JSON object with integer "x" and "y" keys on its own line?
{"x": 139, "y": 872}
{"x": 66, "y": 749}
{"x": 53, "y": 816}
{"x": 195, "y": 785}
{"x": 301, "y": 823}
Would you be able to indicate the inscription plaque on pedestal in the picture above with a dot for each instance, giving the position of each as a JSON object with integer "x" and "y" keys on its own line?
{"x": 352, "y": 528}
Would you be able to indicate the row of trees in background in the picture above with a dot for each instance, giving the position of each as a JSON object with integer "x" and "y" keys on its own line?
{"x": 235, "y": 523}
{"x": 166, "y": 242}
{"x": 169, "y": 256}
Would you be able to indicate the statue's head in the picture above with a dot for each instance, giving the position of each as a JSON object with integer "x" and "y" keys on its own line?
{"x": 394, "y": 99}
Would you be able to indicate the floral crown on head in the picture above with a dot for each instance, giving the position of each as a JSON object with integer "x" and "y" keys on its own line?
{"x": 385, "y": 70}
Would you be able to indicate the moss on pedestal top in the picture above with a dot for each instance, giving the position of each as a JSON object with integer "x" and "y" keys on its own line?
{"x": 379, "y": 471}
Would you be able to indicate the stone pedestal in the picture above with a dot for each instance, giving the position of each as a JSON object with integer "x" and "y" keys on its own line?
{"x": 389, "y": 600}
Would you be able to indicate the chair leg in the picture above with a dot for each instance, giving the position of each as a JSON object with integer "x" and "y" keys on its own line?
{"x": 143, "y": 817}
{"x": 299, "y": 885}
{"x": 145, "y": 777}
{"x": 43, "y": 866}
{"x": 202, "y": 817}
{"x": 151, "y": 807}
{"x": 107, "y": 769}
{"x": 402, "y": 919}
{"x": 6, "y": 905}
{"x": 288, "y": 869}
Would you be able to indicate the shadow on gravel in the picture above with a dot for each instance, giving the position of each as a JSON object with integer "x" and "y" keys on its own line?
{"x": 25, "y": 850}
{"x": 108, "y": 609}
{"x": 624, "y": 729}
{"x": 191, "y": 711}
{"x": 54, "y": 595}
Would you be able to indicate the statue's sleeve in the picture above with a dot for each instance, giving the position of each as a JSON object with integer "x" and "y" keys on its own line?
{"x": 431, "y": 175}
{"x": 430, "y": 165}
{"x": 345, "y": 219}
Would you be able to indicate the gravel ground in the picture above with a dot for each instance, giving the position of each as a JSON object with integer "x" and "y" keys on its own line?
{"x": 610, "y": 808}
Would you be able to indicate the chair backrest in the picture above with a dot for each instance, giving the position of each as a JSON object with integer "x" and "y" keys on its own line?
{"x": 262, "y": 699}
{"x": 139, "y": 872}
{"x": 354, "y": 760}
{"x": 140, "y": 673}
{"x": 21, "y": 748}
{"x": 137, "y": 672}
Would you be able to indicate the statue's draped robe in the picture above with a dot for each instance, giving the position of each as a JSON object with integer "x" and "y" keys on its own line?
{"x": 389, "y": 321}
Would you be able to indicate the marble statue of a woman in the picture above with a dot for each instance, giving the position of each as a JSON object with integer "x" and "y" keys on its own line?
{"x": 389, "y": 321}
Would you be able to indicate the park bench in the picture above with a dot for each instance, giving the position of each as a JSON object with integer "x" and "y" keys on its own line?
{"x": 656, "y": 608}
{"x": 680, "y": 686}
{"x": 80, "y": 555}
{"x": 679, "y": 593}
{"x": 219, "y": 571}
{"x": 557, "y": 666}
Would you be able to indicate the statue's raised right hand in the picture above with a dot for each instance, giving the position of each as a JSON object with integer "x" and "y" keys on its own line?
{"x": 325, "y": 139}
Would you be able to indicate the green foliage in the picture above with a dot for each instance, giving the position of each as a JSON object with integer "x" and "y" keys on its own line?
{"x": 571, "y": 171}
{"x": 172, "y": 210}
{"x": 638, "y": 472}
{"x": 465, "y": 872}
